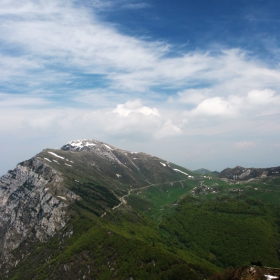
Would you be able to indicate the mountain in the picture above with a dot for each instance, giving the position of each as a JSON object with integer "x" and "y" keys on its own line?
{"x": 202, "y": 171}
{"x": 241, "y": 173}
{"x": 92, "y": 211}
{"x": 41, "y": 195}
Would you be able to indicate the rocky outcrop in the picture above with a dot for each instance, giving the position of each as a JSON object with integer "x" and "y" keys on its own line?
{"x": 29, "y": 206}
{"x": 100, "y": 149}
{"x": 241, "y": 173}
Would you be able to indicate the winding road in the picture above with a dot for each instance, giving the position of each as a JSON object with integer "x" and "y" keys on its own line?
{"x": 123, "y": 201}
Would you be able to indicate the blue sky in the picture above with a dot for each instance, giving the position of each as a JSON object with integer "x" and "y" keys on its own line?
{"x": 193, "y": 82}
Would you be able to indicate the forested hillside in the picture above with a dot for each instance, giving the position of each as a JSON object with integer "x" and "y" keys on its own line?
{"x": 113, "y": 214}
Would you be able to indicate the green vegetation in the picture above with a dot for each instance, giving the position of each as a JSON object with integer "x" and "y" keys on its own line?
{"x": 121, "y": 246}
{"x": 161, "y": 199}
{"x": 168, "y": 225}
{"x": 227, "y": 232}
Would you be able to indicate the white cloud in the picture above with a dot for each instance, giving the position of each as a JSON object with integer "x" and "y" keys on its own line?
{"x": 100, "y": 4}
{"x": 50, "y": 34}
{"x": 58, "y": 34}
{"x": 132, "y": 117}
{"x": 263, "y": 97}
{"x": 106, "y": 5}
{"x": 214, "y": 106}
{"x": 135, "y": 107}
{"x": 252, "y": 104}
{"x": 192, "y": 96}
{"x": 128, "y": 120}
{"x": 168, "y": 129}
{"x": 61, "y": 53}
{"x": 136, "y": 6}
{"x": 8, "y": 100}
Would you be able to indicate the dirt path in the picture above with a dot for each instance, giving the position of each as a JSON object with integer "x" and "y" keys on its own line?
{"x": 123, "y": 201}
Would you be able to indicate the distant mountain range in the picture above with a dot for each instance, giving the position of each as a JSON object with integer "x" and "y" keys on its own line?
{"x": 202, "y": 171}
{"x": 92, "y": 211}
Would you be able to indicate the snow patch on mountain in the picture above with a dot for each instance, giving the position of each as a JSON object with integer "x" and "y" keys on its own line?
{"x": 177, "y": 170}
{"x": 81, "y": 143}
{"x": 99, "y": 148}
{"x": 56, "y": 155}
{"x": 107, "y": 147}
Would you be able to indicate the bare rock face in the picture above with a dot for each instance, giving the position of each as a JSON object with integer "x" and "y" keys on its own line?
{"x": 100, "y": 149}
{"x": 29, "y": 208}
{"x": 241, "y": 173}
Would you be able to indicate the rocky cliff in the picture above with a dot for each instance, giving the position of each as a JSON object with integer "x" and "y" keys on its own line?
{"x": 30, "y": 207}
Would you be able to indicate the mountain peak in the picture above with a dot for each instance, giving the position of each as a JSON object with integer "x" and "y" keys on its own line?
{"x": 85, "y": 144}
{"x": 101, "y": 149}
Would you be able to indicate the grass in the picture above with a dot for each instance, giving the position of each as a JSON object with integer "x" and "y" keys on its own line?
{"x": 165, "y": 230}
{"x": 108, "y": 249}
{"x": 161, "y": 199}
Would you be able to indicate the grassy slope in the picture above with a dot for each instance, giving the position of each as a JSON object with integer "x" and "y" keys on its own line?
{"x": 120, "y": 246}
{"x": 159, "y": 200}
{"x": 227, "y": 228}
{"x": 161, "y": 239}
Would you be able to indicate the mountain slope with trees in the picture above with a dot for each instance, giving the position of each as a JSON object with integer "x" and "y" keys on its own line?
{"x": 93, "y": 211}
